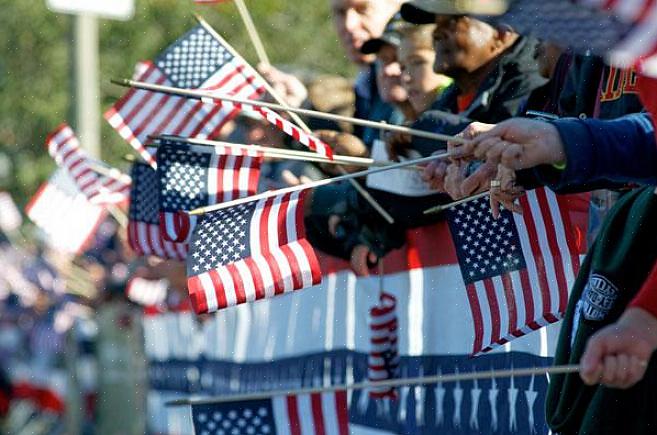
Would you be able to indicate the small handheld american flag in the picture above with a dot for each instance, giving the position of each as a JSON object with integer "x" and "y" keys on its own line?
{"x": 144, "y": 236}
{"x": 301, "y": 414}
{"x": 517, "y": 269}
{"x": 64, "y": 214}
{"x": 64, "y": 147}
{"x": 195, "y": 176}
{"x": 196, "y": 60}
{"x": 249, "y": 252}
{"x": 383, "y": 360}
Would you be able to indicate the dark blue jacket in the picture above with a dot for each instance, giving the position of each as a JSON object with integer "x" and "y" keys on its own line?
{"x": 603, "y": 153}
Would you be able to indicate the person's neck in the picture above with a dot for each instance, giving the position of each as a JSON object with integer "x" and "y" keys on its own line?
{"x": 469, "y": 82}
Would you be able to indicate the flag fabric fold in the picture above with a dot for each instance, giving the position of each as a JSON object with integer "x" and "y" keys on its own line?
{"x": 64, "y": 147}
{"x": 249, "y": 252}
{"x": 516, "y": 269}
{"x": 193, "y": 176}
{"x": 144, "y": 235}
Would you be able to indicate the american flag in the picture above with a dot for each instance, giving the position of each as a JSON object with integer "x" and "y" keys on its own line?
{"x": 147, "y": 292}
{"x": 64, "y": 214}
{"x": 251, "y": 251}
{"x": 64, "y": 147}
{"x": 302, "y": 414}
{"x": 193, "y": 176}
{"x": 623, "y": 31}
{"x": 10, "y": 217}
{"x": 196, "y": 60}
{"x": 144, "y": 234}
{"x": 383, "y": 359}
{"x": 516, "y": 269}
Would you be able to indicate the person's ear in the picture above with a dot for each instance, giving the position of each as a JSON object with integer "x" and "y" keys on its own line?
{"x": 505, "y": 34}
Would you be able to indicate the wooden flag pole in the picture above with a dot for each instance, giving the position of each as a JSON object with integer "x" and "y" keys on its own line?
{"x": 420, "y": 380}
{"x": 442, "y": 207}
{"x": 364, "y": 193}
{"x": 253, "y": 33}
{"x": 307, "y": 156}
{"x": 312, "y": 184}
{"x": 211, "y": 97}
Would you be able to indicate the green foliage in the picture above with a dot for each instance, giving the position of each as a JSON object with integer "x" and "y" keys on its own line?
{"x": 36, "y": 64}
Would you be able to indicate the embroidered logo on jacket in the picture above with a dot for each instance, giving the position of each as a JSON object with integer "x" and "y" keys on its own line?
{"x": 598, "y": 298}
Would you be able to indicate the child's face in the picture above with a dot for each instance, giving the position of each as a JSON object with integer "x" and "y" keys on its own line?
{"x": 388, "y": 76}
{"x": 418, "y": 77}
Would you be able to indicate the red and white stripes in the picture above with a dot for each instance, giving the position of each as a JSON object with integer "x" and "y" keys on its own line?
{"x": 298, "y": 134}
{"x": 516, "y": 303}
{"x": 146, "y": 239}
{"x": 311, "y": 414}
{"x": 64, "y": 147}
{"x": 281, "y": 259}
{"x": 140, "y": 114}
{"x": 383, "y": 360}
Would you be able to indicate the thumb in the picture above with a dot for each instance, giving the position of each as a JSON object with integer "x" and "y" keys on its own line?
{"x": 592, "y": 361}
{"x": 372, "y": 257}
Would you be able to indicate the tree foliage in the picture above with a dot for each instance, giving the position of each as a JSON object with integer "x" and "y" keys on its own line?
{"x": 36, "y": 64}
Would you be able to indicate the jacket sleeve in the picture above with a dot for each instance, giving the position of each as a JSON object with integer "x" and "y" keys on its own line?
{"x": 604, "y": 153}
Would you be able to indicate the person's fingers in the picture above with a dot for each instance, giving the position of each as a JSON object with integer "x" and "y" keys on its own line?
{"x": 622, "y": 375}
{"x": 437, "y": 178}
{"x": 304, "y": 179}
{"x": 513, "y": 157}
{"x": 428, "y": 171}
{"x": 636, "y": 370}
{"x": 591, "y": 361}
{"x": 372, "y": 257}
{"x": 494, "y": 204}
{"x": 479, "y": 152}
{"x": 479, "y": 180}
{"x": 494, "y": 153}
{"x": 453, "y": 179}
{"x": 610, "y": 367}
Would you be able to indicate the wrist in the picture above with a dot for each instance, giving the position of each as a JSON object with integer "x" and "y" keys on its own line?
{"x": 641, "y": 321}
{"x": 556, "y": 152}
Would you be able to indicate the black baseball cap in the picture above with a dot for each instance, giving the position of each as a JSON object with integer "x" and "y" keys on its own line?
{"x": 425, "y": 11}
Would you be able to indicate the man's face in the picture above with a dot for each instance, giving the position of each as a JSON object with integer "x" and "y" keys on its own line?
{"x": 462, "y": 44}
{"x": 388, "y": 76}
{"x": 357, "y": 21}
